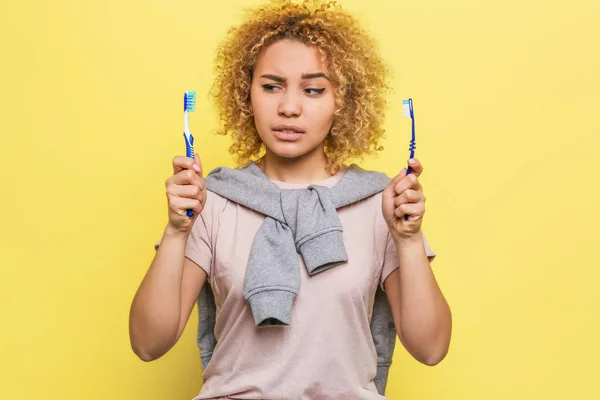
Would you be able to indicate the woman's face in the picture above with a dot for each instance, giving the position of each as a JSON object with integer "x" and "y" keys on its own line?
{"x": 292, "y": 99}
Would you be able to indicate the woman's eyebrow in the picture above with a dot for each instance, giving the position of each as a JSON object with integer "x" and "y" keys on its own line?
{"x": 281, "y": 79}
{"x": 315, "y": 75}
{"x": 275, "y": 78}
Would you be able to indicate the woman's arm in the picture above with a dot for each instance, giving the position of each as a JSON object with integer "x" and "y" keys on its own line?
{"x": 165, "y": 299}
{"x": 421, "y": 314}
{"x": 168, "y": 292}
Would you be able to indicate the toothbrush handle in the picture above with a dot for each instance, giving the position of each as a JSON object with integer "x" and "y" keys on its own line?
{"x": 408, "y": 170}
{"x": 412, "y": 146}
{"x": 189, "y": 152}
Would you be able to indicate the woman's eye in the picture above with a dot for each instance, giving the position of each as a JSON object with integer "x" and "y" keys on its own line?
{"x": 314, "y": 92}
{"x": 269, "y": 88}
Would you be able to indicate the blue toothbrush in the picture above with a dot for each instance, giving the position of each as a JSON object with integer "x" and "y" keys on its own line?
{"x": 407, "y": 107}
{"x": 189, "y": 105}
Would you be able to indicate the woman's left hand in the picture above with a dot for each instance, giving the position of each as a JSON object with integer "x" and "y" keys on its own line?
{"x": 404, "y": 196}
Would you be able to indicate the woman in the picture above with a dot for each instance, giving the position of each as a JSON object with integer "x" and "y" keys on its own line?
{"x": 301, "y": 91}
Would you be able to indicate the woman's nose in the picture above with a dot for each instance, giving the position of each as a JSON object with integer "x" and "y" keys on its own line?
{"x": 289, "y": 105}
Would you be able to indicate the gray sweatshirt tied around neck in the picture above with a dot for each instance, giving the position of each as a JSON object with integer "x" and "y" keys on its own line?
{"x": 303, "y": 221}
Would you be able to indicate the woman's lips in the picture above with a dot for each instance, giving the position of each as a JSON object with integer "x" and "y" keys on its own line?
{"x": 287, "y": 135}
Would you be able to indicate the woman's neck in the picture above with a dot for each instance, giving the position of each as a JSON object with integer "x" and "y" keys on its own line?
{"x": 309, "y": 168}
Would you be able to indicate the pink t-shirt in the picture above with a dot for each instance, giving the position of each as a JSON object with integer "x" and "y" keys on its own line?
{"x": 327, "y": 351}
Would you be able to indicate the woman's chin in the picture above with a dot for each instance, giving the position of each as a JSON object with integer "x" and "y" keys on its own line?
{"x": 289, "y": 150}
{"x": 289, "y": 154}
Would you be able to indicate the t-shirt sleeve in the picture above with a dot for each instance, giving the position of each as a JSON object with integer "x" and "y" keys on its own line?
{"x": 391, "y": 261}
{"x": 198, "y": 247}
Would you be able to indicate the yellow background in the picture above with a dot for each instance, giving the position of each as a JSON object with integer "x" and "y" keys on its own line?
{"x": 506, "y": 98}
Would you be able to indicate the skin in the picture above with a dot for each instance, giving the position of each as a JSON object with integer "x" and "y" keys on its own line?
{"x": 290, "y": 87}
{"x": 421, "y": 314}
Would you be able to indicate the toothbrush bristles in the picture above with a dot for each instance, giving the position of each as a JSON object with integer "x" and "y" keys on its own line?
{"x": 189, "y": 101}
{"x": 406, "y": 108}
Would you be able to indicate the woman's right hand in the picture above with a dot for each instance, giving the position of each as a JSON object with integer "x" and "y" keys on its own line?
{"x": 186, "y": 189}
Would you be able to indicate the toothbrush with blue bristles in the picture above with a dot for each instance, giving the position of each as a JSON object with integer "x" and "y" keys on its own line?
{"x": 407, "y": 107}
{"x": 189, "y": 105}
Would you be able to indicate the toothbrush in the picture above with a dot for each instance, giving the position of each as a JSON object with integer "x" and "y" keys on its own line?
{"x": 407, "y": 107}
{"x": 189, "y": 105}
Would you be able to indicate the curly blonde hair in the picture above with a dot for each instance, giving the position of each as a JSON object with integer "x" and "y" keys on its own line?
{"x": 348, "y": 54}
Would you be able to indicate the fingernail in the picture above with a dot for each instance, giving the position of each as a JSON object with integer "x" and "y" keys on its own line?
{"x": 403, "y": 170}
{"x": 196, "y": 167}
{"x": 411, "y": 161}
